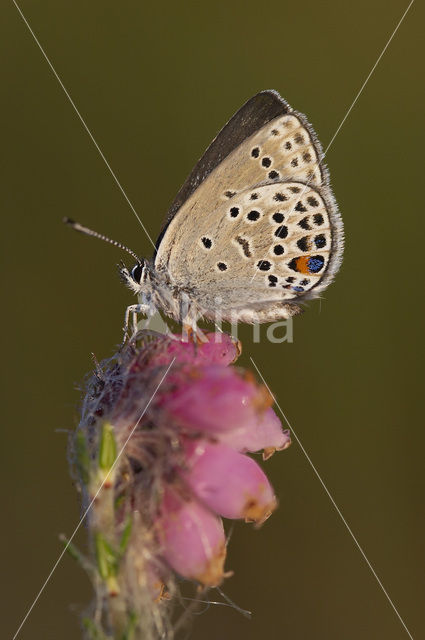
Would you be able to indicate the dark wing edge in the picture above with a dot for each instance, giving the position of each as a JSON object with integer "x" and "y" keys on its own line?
{"x": 254, "y": 114}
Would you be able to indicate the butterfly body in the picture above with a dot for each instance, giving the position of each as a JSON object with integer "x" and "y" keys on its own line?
{"x": 254, "y": 230}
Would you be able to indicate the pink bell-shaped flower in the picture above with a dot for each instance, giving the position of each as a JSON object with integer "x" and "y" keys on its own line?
{"x": 192, "y": 539}
{"x": 227, "y": 482}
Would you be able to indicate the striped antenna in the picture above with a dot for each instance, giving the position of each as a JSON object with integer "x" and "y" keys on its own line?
{"x": 89, "y": 232}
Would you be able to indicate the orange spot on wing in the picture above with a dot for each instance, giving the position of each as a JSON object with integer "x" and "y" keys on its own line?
{"x": 302, "y": 264}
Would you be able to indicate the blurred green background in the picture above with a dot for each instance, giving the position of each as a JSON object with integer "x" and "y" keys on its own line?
{"x": 155, "y": 82}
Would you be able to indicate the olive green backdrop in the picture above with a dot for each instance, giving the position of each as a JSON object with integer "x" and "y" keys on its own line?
{"x": 155, "y": 82}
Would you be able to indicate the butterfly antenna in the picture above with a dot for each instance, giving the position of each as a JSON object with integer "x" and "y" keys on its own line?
{"x": 89, "y": 232}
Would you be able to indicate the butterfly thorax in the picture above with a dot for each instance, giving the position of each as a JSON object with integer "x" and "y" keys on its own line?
{"x": 156, "y": 291}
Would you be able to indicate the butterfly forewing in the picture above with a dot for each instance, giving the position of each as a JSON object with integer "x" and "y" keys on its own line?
{"x": 250, "y": 118}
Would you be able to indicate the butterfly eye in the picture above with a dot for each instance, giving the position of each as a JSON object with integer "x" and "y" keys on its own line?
{"x": 136, "y": 273}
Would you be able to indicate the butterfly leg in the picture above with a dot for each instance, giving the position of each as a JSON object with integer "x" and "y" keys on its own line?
{"x": 191, "y": 332}
{"x": 134, "y": 309}
{"x": 188, "y": 316}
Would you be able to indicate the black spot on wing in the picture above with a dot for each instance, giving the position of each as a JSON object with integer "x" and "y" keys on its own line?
{"x": 300, "y": 207}
{"x": 245, "y": 246}
{"x": 320, "y": 241}
{"x": 304, "y": 224}
{"x": 303, "y": 244}
{"x": 281, "y": 232}
{"x": 264, "y": 265}
{"x": 312, "y": 201}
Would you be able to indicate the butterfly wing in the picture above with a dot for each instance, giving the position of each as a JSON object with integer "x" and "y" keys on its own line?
{"x": 251, "y": 117}
{"x": 259, "y": 225}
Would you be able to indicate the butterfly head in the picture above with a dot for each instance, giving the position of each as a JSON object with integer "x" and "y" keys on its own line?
{"x": 139, "y": 272}
{"x": 137, "y": 278}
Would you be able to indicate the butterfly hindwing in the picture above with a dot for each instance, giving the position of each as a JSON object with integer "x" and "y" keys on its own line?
{"x": 270, "y": 243}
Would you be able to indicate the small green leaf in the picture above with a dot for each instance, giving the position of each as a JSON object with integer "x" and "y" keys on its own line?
{"x": 131, "y": 627}
{"x": 76, "y": 554}
{"x": 82, "y": 455}
{"x": 93, "y": 630}
{"x": 125, "y": 536}
{"x": 106, "y": 556}
{"x": 108, "y": 447}
{"x": 119, "y": 501}
{"x": 73, "y": 551}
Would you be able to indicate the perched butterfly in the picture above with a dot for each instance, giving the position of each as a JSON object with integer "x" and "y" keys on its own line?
{"x": 254, "y": 230}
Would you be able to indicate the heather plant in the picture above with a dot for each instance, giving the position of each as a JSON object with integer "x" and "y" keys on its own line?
{"x": 161, "y": 456}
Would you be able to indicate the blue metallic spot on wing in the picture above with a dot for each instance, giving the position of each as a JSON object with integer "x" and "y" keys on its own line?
{"x": 315, "y": 264}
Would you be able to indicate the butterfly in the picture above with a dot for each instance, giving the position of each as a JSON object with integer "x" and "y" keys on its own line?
{"x": 255, "y": 229}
